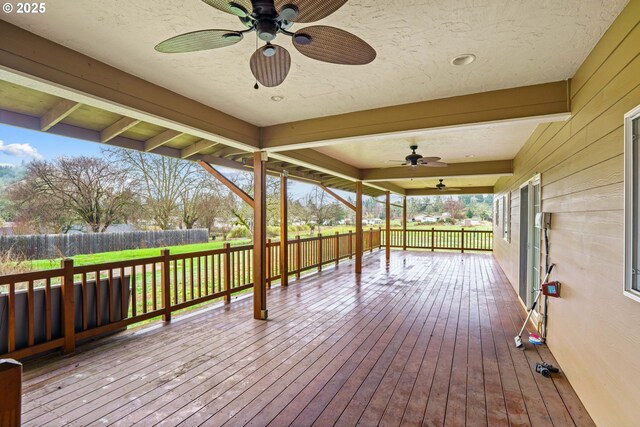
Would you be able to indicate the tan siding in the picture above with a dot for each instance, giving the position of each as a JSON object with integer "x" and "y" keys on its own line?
{"x": 593, "y": 328}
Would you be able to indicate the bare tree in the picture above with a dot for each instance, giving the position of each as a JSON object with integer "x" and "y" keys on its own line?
{"x": 170, "y": 187}
{"x": 319, "y": 208}
{"x": 454, "y": 207}
{"x": 87, "y": 189}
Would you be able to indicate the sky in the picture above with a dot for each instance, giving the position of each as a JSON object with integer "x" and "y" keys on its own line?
{"x": 18, "y": 145}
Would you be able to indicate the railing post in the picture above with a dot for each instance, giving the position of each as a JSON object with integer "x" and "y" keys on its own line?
{"x": 68, "y": 307}
{"x": 298, "y": 256}
{"x": 350, "y": 244}
{"x": 462, "y": 239}
{"x": 370, "y": 239}
{"x": 166, "y": 285}
{"x": 11, "y": 402}
{"x": 433, "y": 238}
{"x": 268, "y": 262}
{"x": 227, "y": 273}
{"x": 337, "y": 247}
{"x": 319, "y": 257}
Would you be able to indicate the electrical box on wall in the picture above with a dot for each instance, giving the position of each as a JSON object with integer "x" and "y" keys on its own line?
{"x": 543, "y": 220}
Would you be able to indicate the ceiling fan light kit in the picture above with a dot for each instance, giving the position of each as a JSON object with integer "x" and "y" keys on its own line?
{"x": 270, "y": 64}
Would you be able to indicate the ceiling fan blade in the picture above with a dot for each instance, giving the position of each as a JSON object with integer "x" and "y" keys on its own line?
{"x": 435, "y": 164}
{"x": 428, "y": 159}
{"x": 199, "y": 40}
{"x": 333, "y": 45}
{"x": 271, "y": 70}
{"x": 310, "y": 10}
{"x": 240, "y": 8}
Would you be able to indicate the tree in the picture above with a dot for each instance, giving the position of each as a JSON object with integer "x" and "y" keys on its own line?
{"x": 454, "y": 207}
{"x": 317, "y": 209}
{"x": 170, "y": 187}
{"x": 86, "y": 189}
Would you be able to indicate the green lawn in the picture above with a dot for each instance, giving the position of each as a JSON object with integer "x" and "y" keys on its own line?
{"x": 132, "y": 254}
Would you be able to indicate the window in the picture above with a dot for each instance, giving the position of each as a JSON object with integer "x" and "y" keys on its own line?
{"x": 506, "y": 218}
{"x": 632, "y": 203}
{"x": 496, "y": 213}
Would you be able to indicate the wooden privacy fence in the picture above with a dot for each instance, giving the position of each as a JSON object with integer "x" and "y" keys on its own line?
{"x": 45, "y": 310}
{"x": 48, "y": 246}
{"x": 459, "y": 240}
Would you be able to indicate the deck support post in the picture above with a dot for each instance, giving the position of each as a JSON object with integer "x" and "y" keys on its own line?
{"x": 404, "y": 223}
{"x": 358, "y": 227}
{"x": 259, "y": 235}
{"x": 387, "y": 224}
{"x": 284, "y": 237}
{"x": 68, "y": 307}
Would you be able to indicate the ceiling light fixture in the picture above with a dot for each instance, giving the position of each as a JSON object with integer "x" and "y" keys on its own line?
{"x": 464, "y": 59}
{"x": 277, "y": 98}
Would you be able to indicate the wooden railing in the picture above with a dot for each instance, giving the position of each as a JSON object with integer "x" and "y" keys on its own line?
{"x": 45, "y": 310}
{"x": 434, "y": 239}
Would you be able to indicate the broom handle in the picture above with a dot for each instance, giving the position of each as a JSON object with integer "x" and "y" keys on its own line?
{"x": 535, "y": 301}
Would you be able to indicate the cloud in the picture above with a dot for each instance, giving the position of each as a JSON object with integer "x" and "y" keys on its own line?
{"x": 20, "y": 150}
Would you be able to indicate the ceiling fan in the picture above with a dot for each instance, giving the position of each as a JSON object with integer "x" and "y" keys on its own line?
{"x": 270, "y": 63}
{"x": 441, "y": 187}
{"x": 415, "y": 159}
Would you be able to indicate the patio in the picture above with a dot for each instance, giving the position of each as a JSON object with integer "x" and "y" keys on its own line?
{"x": 427, "y": 338}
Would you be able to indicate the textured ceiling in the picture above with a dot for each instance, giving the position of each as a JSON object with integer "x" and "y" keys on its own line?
{"x": 517, "y": 43}
{"x": 498, "y": 141}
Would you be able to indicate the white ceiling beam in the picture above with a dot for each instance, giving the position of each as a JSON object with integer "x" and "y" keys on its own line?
{"x": 119, "y": 127}
{"x": 462, "y": 191}
{"x": 57, "y": 113}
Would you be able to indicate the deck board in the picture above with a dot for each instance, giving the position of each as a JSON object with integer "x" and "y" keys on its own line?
{"x": 424, "y": 340}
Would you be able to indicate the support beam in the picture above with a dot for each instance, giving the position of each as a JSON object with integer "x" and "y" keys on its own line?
{"x": 463, "y": 190}
{"x": 404, "y": 223}
{"x": 338, "y": 198}
{"x": 161, "y": 139}
{"x": 547, "y": 100}
{"x": 119, "y": 127}
{"x": 387, "y": 186}
{"x": 318, "y": 161}
{"x": 495, "y": 167}
{"x": 229, "y": 151}
{"x": 33, "y": 61}
{"x": 58, "y": 112}
{"x": 260, "y": 236}
{"x": 359, "y": 227}
{"x": 284, "y": 235}
{"x": 11, "y": 402}
{"x": 395, "y": 205}
{"x": 196, "y": 148}
{"x": 387, "y": 224}
{"x": 228, "y": 183}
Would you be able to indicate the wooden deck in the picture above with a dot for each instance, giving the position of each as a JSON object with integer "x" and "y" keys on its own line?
{"x": 427, "y": 339}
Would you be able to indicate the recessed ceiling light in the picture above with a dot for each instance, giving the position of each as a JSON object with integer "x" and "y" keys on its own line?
{"x": 464, "y": 59}
{"x": 470, "y": 155}
{"x": 277, "y": 98}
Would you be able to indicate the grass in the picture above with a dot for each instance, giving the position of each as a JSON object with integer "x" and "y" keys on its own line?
{"x": 129, "y": 254}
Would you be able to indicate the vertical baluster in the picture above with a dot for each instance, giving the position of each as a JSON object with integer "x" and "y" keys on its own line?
{"x": 206, "y": 274}
{"x": 144, "y": 288}
{"x": 31, "y": 318}
{"x": 11, "y": 317}
{"x": 98, "y": 298}
{"x": 134, "y": 291}
{"x": 462, "y": 239}
{"x": 174, "y": 265}
{"x": 298, "y": 255}
{"x": 337, "y": 249}
{"x": 433, "y": 236}
{"x": 110, "y": 296}
{"x": 123, "y": 296}
{"x": 319, "y": 249}
{"x": 192, "y": 277}
{"x": 268, "y": 263}
{"x": 199, "y": 276}
{"x": 84, "y": 301}
{"x": 47, "y": 308}
{"x": 227, "y": 274}
{"x": 218, "y": 272}
{"x": 184, "y": 279}
{"x": 154, "y": 286}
